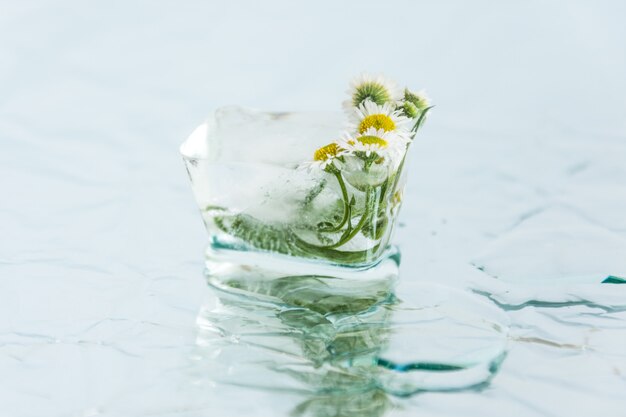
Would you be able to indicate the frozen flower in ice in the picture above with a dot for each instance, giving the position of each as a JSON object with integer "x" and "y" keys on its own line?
{"x": 419, "y": 99}
{"x": 380, "y": 117}
{"x": 377, "y": 89}
{"x": 324, "y": 157}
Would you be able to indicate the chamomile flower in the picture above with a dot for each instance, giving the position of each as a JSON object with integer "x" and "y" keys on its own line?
{"x": 323, "y": 157}
{"x": 380, "y": 117}
{"x": 373, "y": 141}
{"x": 377, "y": 89}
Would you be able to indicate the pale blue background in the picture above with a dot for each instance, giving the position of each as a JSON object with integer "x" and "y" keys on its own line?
{"x": 101, "y": 244}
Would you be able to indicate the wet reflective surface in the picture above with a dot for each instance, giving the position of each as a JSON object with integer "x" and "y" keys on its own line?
{"x": 336, "y": 336}
{"x": 513, "y": 215}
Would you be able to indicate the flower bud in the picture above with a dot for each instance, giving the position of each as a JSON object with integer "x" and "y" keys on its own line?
{"x": 409, "y": 109}
{"x": 419, "y": 99}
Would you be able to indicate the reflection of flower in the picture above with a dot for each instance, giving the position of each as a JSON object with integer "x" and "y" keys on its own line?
{"x": 360, "y": 402}
{"x": 378, "y": 89}
{"x": 325, "y": 337}
{"x": 343, "y": 371}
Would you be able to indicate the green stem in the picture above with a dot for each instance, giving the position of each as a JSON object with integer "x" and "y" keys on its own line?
{"x": 383, "y": 190}
{"x": 350, "y": 232}
{"x": 346, "y": 203}
{"x": 420, "y": 120}
{"x": 346, "y": 237}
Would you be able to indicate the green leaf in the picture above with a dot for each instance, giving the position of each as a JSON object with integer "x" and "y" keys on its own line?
{"x": 314, "y": 192}
{"x": 258, "y": 234}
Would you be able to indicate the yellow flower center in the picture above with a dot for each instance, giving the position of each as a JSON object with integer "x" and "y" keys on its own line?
{"x": 326, "y": 152}
{"x": 372, "y": 140}
{"x": 377, "y": 121}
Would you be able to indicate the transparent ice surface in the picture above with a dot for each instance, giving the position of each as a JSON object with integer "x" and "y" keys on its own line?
{"x": 248, "y": 174}
{"x": 244, "y": 159}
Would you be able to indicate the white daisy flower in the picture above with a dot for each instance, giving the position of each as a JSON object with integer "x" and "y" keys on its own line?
{"x": 373, "y": 141}
{"x": 323, "y": 157}
{"x": 371, "y": 115}
{"x": 376, "y": 88}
